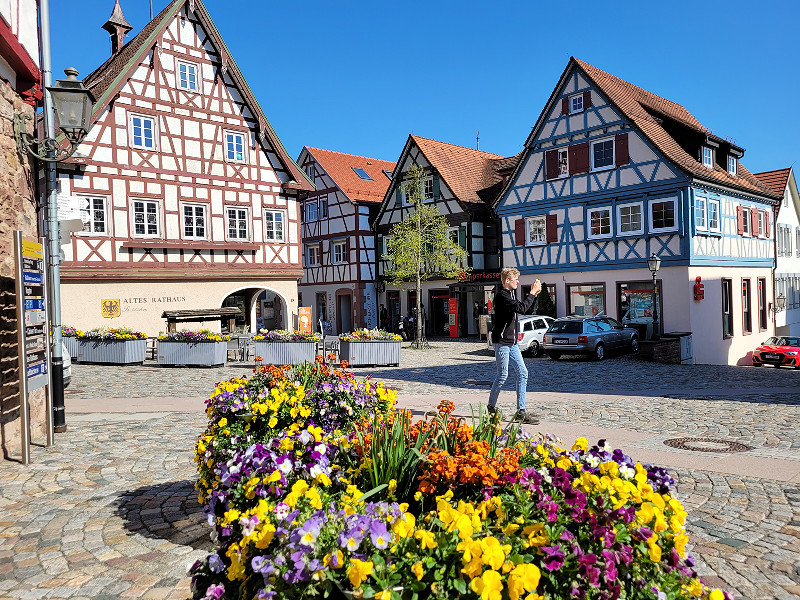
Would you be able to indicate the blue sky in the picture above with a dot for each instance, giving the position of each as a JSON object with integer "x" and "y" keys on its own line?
{"x": 360, "y": 76}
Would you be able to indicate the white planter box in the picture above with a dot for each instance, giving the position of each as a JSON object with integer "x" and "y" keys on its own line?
{"x": 381, "y": 352}
{"x": 73, "y": 345}
{"x": 206, "y": 354}
{"x": 111, "y": 352}
{"x": 286, "y": 353}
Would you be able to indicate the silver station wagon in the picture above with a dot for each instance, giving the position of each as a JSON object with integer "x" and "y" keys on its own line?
{"x": 531, "y": 333}
{"x": 593, "y": 336}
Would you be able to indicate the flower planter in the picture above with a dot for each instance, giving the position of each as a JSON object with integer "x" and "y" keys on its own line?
{"x": 73, "y": 345}
{"x": 286, "y": 353}
{"x": 377, "y": 352}
{"x": 111, "y": 352}
{"x": 204, "y": 354}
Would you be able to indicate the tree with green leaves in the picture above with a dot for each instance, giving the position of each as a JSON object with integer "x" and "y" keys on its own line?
{"x": 419, "y": 247}
{"x": 545, "y": 305}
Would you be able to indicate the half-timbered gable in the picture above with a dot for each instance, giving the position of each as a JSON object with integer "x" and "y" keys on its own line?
{"x": 462, "y": 183}
{"x": 181, "y": 179}
{"x": 338, "y": 243}
{"x": 612, "y": 174}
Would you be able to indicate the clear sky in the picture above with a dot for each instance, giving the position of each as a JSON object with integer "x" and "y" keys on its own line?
{"x": 358, "y": 76}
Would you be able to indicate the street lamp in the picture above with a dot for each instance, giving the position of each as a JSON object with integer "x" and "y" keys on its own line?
{"x": 780, "y": 304}
{"x": 654, "y": 264}
{"x": 72, "y": 108}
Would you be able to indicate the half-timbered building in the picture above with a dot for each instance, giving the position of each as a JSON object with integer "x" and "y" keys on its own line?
{"x": 338, "y": 244}
{"x": 787, "y": 250}
{"x": 612, "y": 174}
{"x": 188, "y": 197}
{"x": 462, "y": 183}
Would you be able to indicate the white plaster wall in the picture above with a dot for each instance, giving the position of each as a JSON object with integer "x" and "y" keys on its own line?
{"x": 22, "y": 16}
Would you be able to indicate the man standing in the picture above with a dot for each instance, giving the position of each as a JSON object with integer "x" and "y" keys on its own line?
{"x": 505, "y": 330}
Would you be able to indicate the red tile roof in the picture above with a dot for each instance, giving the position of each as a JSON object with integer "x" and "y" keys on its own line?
{"x": 340, "y": 168}
{"x": 776, "y": 180}
{"x": 635, "y": 102}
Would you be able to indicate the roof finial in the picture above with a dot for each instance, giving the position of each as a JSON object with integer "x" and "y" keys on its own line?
{"x": 477, "y": 140}
{"x": 117, "y": 27}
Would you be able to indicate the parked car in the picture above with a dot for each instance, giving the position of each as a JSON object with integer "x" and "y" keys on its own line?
{"x": 67, "y": 362}
{"x": 531, "y": 333}
{"x": 593, "y": 336}
{"x": 778, "y": 351}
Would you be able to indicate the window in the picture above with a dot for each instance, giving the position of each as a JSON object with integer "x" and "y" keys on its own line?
{"x": 713, "y": 215}
{"x": 587, "y": 300}
{"x": 273, "y": 226}
{"x": 322, "y": 207}
{"x": 194, "y": 221}
{"x": 797, "y": 240}
{"x": 563, "y": 163}
{"x": 145, "y": 218}
{"x": 576, "y": 104}
{"x": 700, "y": 217}
{"x": 727, "y": 308}
{"x": 762, "y": 228}
{"x": 732, "y": 165}
{"x": 602, "y": 154}
{"x": 762, "y": 303}
{"x": 629, "y": 219}
{"x": 362, "y": 174}
{"x": 312, "y": 255}
{"x": 143, "y": 132}
{"x": 311, "y": 211}
{"x": 708, "y": 157}
{"x": 428, "y": 188}
{"x": 339, "y": 251}
{"x": 600, "y": 222}
{"x": 187, "y": 76}
{"x": 388, "y": 174}
{"x": 310, "y": 171}
{"x": 93, "y": 214}
{"x": 662, "y": 216}
{"x": 746, "y": 221}
{"x": 747, "y": 311}
{"x": 537, "y": 231}
{"x": 234, "y": 146}
{"x": 237, "y": 223}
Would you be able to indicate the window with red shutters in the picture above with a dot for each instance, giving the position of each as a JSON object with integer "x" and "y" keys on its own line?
{"x": 551, "y": 164}
{"x": 766, "y": 223}
{"x": 587, "y": 99}
{"x": 754, "y": 223}
{"x": 579, "y": 158}
{"x": 519, "y": 232}
{"x": 739, "y": 220}
{"x": 565, "y": 106}
{"x": 551, "y": 228}
{"x": 621, "y": 149}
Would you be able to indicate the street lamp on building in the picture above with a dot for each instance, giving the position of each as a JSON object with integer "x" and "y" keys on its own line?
{"x": 654, "y": 264}
{"x": 780, "y": 304}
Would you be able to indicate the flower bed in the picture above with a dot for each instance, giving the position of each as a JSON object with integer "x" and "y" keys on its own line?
{"x": 110, "y": 345}
{"x": 369, "y": 335}
{"x": 281, "y": 347}
{"x": 203, "y": 348}
{"x": 282, "y": 335}
{"x": 314, "y": 483}
{"x": 370, "y": 347}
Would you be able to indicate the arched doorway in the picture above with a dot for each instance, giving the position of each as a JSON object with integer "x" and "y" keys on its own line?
{"x": 261, "y": 309}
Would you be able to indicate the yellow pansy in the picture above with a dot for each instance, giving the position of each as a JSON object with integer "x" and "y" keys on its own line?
{"x": 581, "y": 444}
{"x": 524, "y": 578}
{"x": 359, "y": 571}
{"x": 418, "y": 571}
{"x": 489, "y": 586}
{"x": 426, "y": 539}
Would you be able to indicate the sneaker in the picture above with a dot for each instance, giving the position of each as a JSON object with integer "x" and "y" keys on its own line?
{"x": 526, "y": 418}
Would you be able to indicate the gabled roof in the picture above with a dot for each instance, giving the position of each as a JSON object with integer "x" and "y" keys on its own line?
{"x": 776, "y": 180}
{"x": 339, "y": 166}
{"x": 105, "y": 81}
{"x": 465, "y": 171}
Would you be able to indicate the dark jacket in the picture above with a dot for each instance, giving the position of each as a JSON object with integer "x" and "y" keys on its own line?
{"x": 505, "y": 325}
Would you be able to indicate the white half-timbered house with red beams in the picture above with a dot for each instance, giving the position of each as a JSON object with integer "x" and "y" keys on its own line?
{"x": 338, "y": 244}
{"x": 462, "y": 183}
{"x": 188, "y": 197}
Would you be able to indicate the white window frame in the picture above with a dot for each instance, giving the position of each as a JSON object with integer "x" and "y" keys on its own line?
{"x": 762, "y": 229}
{"x": 613, "y": 154}
{"x": 243, "y": 214}
{"x": 536, "y": 226}
{"x": 565, "y": 173}
{"x": 747, "y": 229}
{"x": 322, "y": 207}
{"x": 307, "y": 210}
{"x": 316, "y": 253}
{"x": 700, "y": 213}
{"x": 711, "y": 227}
{"x": 145, "y": 203}
{"x": 639, "y": 231}
{"x": 132, "y": 117}
{"x": 654, "y": 201}
{"x": 797, "y": 240}
{"x": 277, "y": 237}
{"x": 188, "y": 65}
{"x": 89, "y": 211}
{"x": 339, "y": 247}
{"x": 590, "y": 212}
{"x": 576, "y": 104}
{"x": 194, "y": 205}
{"x": 732, "y": 165}
{"x": 707, "y": 153}
{"x": 428, "y": 183}
{"x": 228, "y": 136}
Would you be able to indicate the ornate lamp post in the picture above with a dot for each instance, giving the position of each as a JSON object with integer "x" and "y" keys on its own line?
{"x": 654, "y": 264}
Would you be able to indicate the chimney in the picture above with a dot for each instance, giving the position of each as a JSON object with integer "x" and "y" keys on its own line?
{"x": 117, "y": 27}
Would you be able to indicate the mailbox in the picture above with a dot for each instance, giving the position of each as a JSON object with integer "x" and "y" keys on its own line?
{"x": 699, "y": 291}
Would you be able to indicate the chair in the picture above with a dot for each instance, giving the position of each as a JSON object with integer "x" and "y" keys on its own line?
{"x": 151, "y": 348}
{"x": 247, "y": 347}
{"x": 330, "y": 344}
{"x": 235, "y": 347}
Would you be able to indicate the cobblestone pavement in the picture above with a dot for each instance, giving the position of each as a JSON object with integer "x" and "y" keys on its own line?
{"x": 110, "y": 510}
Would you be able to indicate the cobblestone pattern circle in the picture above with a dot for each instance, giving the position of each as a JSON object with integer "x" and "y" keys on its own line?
{"x": 701, "y": 444}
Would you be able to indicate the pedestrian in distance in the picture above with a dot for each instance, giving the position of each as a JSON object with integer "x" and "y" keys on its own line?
{"x": 383, "y": 317}
{"x": 505, "y": 330}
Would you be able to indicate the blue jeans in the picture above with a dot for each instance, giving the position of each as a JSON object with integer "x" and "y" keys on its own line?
{"x": 502, "y": 354}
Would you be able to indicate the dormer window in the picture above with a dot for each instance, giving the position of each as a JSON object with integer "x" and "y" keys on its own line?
{"x": 576, "y": 104}
{"x": 708, "y": 157}
{"x": 732, "y": 165}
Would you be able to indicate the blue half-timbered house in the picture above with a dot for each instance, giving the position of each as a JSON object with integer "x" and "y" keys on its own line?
{"x": 612, "y": 174}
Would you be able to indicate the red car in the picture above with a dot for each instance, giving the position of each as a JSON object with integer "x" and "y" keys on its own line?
{"x": 778, "y": 351}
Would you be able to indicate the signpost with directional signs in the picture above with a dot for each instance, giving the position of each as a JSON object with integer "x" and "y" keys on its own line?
{"x": 34, "y": 333}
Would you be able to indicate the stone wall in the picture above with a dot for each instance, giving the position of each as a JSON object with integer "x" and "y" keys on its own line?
{"x": 665, "y": 350}
{"x": 17, "y": 211}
